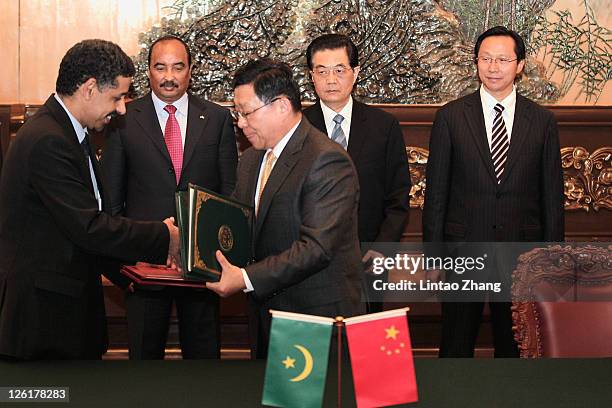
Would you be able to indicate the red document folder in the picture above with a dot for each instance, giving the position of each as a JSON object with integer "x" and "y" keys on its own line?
{"x": 148, "y": 274}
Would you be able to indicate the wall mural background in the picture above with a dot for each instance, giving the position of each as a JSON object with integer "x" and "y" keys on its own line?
{"x": 412, "y": 51}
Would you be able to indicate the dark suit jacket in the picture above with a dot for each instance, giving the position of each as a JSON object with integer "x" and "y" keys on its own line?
{"x": 463, "y": 201}
{"x": 53, "y": 243}
{"x": 307, "y": 256}
{"x": 377, "y": 148}
{"x": 137, "y": 165}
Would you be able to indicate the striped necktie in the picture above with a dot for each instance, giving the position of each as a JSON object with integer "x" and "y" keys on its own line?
{"x": 499, "y": 143}
{"x": 338, "y": 134}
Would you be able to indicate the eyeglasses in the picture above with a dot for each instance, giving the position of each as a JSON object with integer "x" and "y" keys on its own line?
{"x": 237, "y": 115}
{"x": 502, "y": 61}
{"x": 338, "y": 70}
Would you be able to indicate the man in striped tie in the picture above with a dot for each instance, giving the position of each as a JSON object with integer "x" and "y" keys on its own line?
{"x": 493, "y": 175}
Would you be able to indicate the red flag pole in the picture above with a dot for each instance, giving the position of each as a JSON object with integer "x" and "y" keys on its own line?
{"x": 339, "y": 323}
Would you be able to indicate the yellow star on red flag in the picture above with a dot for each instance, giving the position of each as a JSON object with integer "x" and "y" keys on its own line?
{"x": 392, "y": 333}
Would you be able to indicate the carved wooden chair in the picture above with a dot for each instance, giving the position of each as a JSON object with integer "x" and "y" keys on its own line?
{"x": 562, "y": 302}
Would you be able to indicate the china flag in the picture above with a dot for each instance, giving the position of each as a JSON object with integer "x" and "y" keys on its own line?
{"x": 381, "y": 357}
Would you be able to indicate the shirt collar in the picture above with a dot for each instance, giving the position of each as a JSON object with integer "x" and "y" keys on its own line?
{"x": 329, "y": 113}
{"x": 489, "y": 102}
{"x": 181, "y": 104}
{"x": 78, "y": 128}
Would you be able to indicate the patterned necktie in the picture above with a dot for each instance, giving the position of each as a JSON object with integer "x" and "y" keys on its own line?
{"x": 338, "y": 134}
{"x": 499, "y": 143}
{"x": 174, "y": 143}
{"x": 270, "y": 159}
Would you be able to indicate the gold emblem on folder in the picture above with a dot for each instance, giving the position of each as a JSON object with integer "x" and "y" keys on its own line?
{"x": 226, "y": 238}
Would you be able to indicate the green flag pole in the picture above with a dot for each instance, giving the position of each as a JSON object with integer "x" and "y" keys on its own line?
{"x": 339, "y": 323}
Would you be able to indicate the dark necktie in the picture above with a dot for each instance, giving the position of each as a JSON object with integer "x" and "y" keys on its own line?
{"x": 88, "y": 156}
{"x": 499, "y": 143}
{"x": 86, "y": 148}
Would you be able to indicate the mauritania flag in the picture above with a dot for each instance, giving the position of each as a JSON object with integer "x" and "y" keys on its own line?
{"x": 297, "y": 360}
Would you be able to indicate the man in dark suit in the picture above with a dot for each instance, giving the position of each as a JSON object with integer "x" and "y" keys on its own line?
{"x": 494, "y": 174}
{"x": 305, "y": 192}
{"x": 371, "y": 136}
{"x": 56, "y": 233}
{"x": 168, "y": 139}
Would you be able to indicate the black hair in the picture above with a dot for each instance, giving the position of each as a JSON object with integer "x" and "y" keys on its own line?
{"x": 270, "y": 79}
{"x": 519, "y": 44}
{"x": 99, "y": 59}
{"x": 333, "y": 42}
{"x": 169, "y": 38}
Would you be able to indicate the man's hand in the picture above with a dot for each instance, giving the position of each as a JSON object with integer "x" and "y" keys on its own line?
{"x": 368, "y": 261}
{"x": 174, "y": 246}
{"x": 231, "y": 281}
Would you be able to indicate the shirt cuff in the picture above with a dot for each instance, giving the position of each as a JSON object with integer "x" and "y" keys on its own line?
{"x": 247, "y": 282}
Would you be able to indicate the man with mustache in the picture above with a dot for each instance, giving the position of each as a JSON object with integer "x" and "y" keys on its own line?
{"x": 167, "y": 139}
{"x": 56, "y": 231}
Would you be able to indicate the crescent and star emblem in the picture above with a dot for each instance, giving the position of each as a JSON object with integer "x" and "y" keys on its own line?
{"x": 308, "y": 363}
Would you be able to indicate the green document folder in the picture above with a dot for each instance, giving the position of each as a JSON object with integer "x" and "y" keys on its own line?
{"x": 208, "y": 222}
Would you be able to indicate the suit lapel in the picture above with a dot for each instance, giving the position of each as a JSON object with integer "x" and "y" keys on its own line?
{"x": 316, "y": 117}
{"x": 475, "y": 120}
{"x": 357, "y": 134}
{"x": 281, "y": 170}
{"x": 519, "y": 134}
{"x": 145, "y": 115}
{"x": 62, "y": 118}
{"x": 196, "y": 123}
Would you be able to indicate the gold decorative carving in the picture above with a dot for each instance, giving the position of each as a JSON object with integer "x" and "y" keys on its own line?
{"x": 417, "y": 161}
{"x": 198, "y": 262}
{"x": 587, "y": 178}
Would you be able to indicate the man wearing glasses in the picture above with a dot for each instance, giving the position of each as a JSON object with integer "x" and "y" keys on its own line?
{"x": 493, "y": 175}
{"x": 305, "y": 192}
{"x": 372, "y": 137}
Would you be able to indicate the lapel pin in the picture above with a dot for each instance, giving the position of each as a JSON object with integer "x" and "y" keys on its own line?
{"x": 201, "y": 116}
